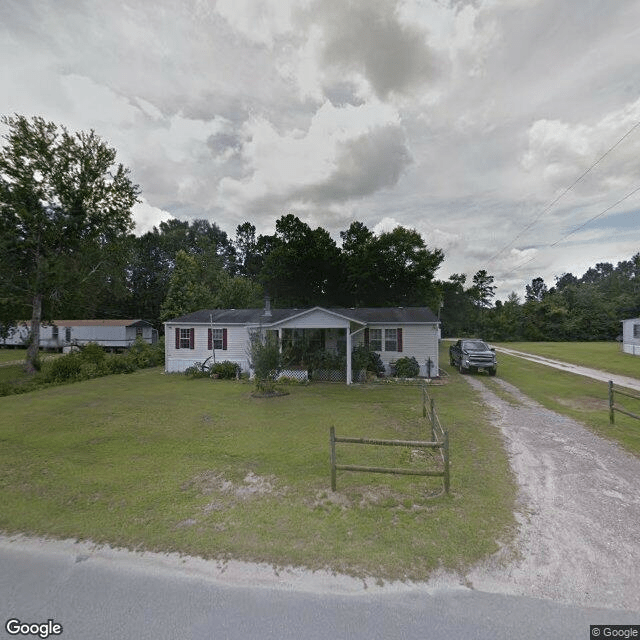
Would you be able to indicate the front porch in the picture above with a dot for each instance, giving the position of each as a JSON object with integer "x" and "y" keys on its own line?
{"x": 318, "y": 345}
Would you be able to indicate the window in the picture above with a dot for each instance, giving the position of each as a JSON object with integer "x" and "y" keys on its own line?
{"x": 383, "y": 339}
{"x": 636, "y": 330}
{"x": 54, "y": 332}
{"x": 375, "y": 339}
{"x": 138, "y": 332}
{"x": 216, "y": 338}
{"x": 185, "y": 339}
{"x": 391, "y": 340}
{"x": 67, "y": 334}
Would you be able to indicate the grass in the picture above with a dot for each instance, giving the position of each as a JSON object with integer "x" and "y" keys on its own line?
{"x": 166, "y": 463}
{"x": 12, "y": 355}
{"x": 606, "y": 356}
{"x": 572, "y": 395}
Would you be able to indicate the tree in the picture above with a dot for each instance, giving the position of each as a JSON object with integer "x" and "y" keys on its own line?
{"x": 63, "y": 201}
{"x": 536, "y": 291}
{"x": 482, "y": 290}
{"x": 301, "y": 265}
{"x": 187, "y": 292}
{"x": 394, "y": 268}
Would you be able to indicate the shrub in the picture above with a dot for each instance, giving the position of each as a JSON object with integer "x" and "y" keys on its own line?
{"x": 120, "y": 363}
{"x": 144, "y": 355}
{"x": 63, "y": 369}
{"x": 364, "y": 358}
{"x": 266, "y": 361}
{"x": 226, "y": 370}
{"x": 407, "y": 367}
{"x": 92, "y": 353}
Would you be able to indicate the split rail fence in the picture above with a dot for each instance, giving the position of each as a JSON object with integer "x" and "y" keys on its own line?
{"x": 612, "y": 405}
{"x": 439, "y": 440}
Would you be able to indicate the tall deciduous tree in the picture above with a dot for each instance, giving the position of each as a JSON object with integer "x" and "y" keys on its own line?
{"x": 62, "y": 200}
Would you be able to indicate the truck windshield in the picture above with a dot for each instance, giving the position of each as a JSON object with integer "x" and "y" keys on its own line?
{"x": 474, "y": 345}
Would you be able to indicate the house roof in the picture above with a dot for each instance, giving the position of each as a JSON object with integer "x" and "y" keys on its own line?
{"x": 369, "y": 315}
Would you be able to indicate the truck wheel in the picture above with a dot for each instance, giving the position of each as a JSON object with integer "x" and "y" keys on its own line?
{"x": 462, "y": 369}
{"x": 492, "y": 371}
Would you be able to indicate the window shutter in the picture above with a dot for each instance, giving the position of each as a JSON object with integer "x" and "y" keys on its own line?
{"x": 399, "y": 339}
{"x": 366, "y": 337}
{"x": 209, "y": 340}
{"x": 224, "y": 339}
{"x": 192, "y": 340}
{"x": 177, "y": 338}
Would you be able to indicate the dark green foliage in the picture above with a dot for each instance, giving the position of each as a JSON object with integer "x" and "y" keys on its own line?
{"x": 64, "y": 220}
{"x": 266, "y": 360}
{"x": 363, "y": 358}
{"x": 407, "y": 367}
{"x": 225, "y": 370}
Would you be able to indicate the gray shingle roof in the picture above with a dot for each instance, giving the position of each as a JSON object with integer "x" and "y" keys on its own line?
{"x": 369, "y": 315}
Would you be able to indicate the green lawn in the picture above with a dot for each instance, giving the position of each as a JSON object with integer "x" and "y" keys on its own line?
{"x": 151, "y": 461}
{"x": 607, "y": 356}
{"x": 11, "y": 355}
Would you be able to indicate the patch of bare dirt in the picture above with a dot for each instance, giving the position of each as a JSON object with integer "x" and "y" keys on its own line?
{"x": 578, "y": 510}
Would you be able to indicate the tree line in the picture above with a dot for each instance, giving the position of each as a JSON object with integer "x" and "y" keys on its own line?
{"x": 67, "y": 249}
{"x": 585, "y": 308}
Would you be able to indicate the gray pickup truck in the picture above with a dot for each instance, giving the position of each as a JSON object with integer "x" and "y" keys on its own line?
{"x": 473, "y": 354}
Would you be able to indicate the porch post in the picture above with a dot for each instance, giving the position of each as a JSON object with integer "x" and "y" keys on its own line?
{"x": 349, "y": 354}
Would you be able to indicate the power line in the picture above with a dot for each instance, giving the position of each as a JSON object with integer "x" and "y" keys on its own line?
{"x": 569, "y": 188}
{"x": 576, "y": 229}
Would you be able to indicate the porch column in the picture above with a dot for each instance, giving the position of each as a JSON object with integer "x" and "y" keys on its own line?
{"x": 349, "y": 355}
{"x": 280, "y": 339}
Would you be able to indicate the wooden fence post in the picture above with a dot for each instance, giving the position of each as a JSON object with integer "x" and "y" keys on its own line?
{"x": 332, "y": 438}
{"x": 445, "y": 449}
{"x": 433, "y": 419}
{"x": 611, "y": 411}
{"x": 424, "y": 400}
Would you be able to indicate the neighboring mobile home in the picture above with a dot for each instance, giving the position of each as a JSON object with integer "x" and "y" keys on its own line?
{"x": 223, "y": 334}
{"x": 631, "y": 336}
{"x": 61, "y": 334}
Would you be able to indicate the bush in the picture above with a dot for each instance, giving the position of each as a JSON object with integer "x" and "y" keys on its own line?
{"x": 92, "y": 353}
{"x": 226, "y": 370}
{"x": 119, "y": 363}
{"x": 144, "y": 355}
{"x": 364, "y": 358}
{"x": 63, "y": 369}
{"x": 407, "y": 367}
{"x": 266, "y": 360}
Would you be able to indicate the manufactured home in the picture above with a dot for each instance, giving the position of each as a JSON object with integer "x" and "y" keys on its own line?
{"x": 631, "y": 336}
{"x": 62, "y": 334}
{"x": 224, "y": 334}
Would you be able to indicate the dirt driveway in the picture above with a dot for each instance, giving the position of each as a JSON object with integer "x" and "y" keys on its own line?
{"x": 578, "y": 510}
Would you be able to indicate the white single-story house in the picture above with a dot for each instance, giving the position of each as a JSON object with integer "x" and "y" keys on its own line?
{"x": 59, "y": 334}
{"x": 631, "y": 336}
{"x": 223, "y": 334}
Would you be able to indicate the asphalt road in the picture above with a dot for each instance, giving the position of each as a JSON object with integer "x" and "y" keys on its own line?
{"x": 101, "y": 594}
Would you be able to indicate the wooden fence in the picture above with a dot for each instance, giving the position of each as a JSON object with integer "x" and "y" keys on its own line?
{"x": 440, "y": 440}
{"x": 612, "y": 406}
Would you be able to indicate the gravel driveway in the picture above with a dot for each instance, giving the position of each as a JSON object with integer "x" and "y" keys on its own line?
{"x": 578, "y": 510}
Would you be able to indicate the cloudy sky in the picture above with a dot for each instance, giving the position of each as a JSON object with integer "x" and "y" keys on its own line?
{"x": 503, "y": 130}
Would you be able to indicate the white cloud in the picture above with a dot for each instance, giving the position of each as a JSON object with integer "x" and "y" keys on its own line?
{"x": 462, "y": 119}
{"x": 147, "y": 216}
